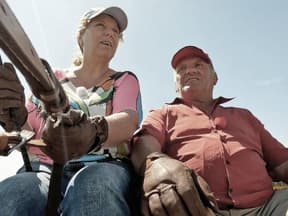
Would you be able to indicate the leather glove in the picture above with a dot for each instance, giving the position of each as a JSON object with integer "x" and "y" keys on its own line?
{"x": 7, "y": 139}
{"x": 11, "y": 96}
{"x": 72, "y": 134}
{"x": 10, "y": 141}
{"x": 171, "y": 188}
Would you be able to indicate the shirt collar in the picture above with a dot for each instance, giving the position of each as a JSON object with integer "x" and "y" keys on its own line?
{"x": 216, "y": 101}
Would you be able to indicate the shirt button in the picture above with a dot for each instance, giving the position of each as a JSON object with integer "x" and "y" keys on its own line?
{"x": 227, "y": 162}
{"x": 223, "y": 138}
{"x": 230, "y": 206}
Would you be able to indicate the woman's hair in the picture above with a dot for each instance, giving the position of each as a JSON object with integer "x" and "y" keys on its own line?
{"x": 84, "y": 22}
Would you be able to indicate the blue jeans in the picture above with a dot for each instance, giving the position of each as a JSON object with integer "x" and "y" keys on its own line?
{"x": 26, "y": 192}
{"x": 100, "y": 189}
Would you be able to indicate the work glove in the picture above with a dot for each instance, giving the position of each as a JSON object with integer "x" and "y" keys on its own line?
{"x": 10, "y": 141}
{"x": 7, "y": 139}
{"x": 171, "y": 188}
{"x": 70, "y": 135}
{"x": 13, "y": 113}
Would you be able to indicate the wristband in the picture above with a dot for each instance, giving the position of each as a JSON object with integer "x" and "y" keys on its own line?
{"x": 101, "y": 127}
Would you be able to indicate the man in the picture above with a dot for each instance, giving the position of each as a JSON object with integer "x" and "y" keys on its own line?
{"x": 227, "y": 146}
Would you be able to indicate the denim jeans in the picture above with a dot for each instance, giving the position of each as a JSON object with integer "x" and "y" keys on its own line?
{"x": 100, "y": 189}
{"x": 26, "y": 192}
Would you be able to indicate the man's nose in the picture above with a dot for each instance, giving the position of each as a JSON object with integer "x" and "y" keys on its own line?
{"x": 191, "y": 70}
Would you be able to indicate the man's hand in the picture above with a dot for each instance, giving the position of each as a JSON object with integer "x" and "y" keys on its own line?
{"x": 170, "y": 188}
{"x": 72, "y": 134}
{"x": 11, "y": 96}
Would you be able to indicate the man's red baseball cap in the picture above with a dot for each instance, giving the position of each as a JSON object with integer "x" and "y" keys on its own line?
{"x": 189, "y": 51}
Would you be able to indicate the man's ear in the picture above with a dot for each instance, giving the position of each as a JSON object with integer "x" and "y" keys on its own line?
{"x": 177, "y": 88}
{"x": 215, "y": 78}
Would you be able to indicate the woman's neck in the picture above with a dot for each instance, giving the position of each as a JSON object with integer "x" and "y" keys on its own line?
{"x": 89, "y": 75}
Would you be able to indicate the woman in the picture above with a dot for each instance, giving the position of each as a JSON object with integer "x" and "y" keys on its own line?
{"x": 97, "y": 183}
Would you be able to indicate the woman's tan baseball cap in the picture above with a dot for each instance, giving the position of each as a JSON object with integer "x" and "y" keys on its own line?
{"x": 116, "y": 12}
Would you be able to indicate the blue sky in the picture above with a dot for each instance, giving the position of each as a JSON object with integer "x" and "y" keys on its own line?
{"x": 246, "y": 40}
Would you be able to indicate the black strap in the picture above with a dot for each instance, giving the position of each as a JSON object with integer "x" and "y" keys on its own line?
{"x": 54, "y": 194}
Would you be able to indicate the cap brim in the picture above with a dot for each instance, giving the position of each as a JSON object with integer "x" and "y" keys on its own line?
{"x": 117, "y": 13}
{"x": 189, "y": 51}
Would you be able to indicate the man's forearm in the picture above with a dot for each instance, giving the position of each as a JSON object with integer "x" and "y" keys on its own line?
{"x": 281, "y": 172}
{"x": 144, "y": 145}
